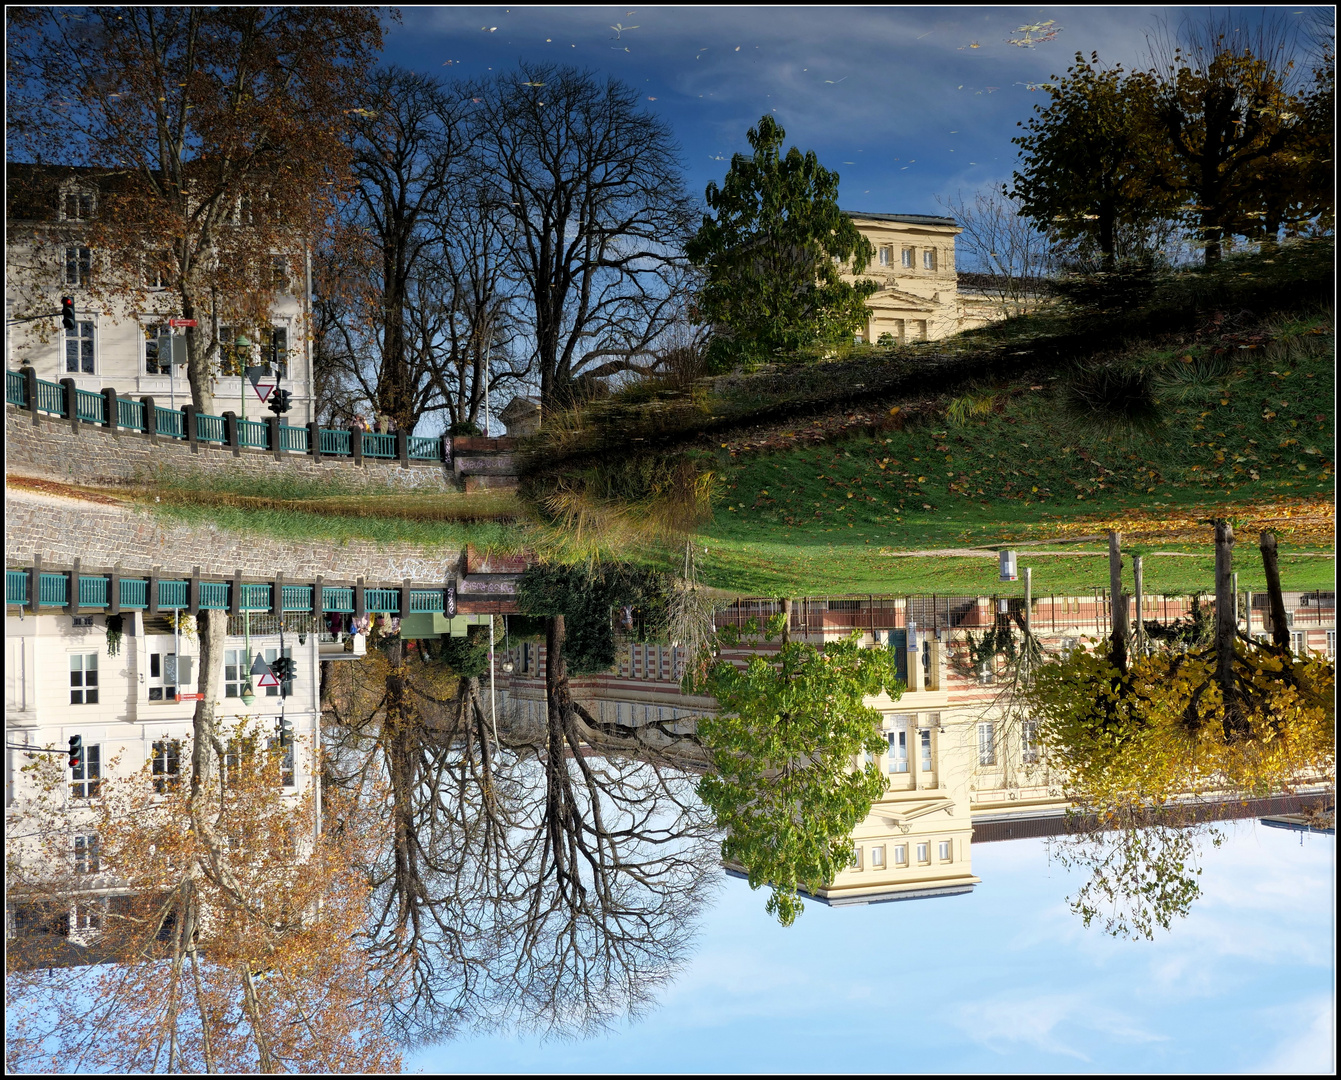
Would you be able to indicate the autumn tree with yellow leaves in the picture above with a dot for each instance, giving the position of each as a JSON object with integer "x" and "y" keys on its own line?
{"x": 214, "y": 929}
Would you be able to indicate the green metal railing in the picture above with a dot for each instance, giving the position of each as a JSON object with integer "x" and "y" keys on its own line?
{"x": 338, "y": 598}
{"x": 174, "y": 594}
{"x": 426, "y": 600}
{"x": 382, "y": 601}
{"x": 422, "y": 449}
{"x": 90, "y": 407}
{"x": 169, "y": 422}
{"x": 16, "y": 389}
{"x": 52, "y": 590}
{"x": 256, "y": 597}
{"x": 335, "y": 442}
{"x": 16, "y": 586}
{"x": 51, "y": 398}
{"x": 253, "y": 433}
{"x": 297, "y": 597}
{"x": 378, "y": 446}
{"x": 93, "y": 590}
{"x": 211, "y": 428}
{"x": 134, "y": 593}
{"x": 214, "y": 595}
{"x": 293, "y": 438}
{"x": 130, "y": 414}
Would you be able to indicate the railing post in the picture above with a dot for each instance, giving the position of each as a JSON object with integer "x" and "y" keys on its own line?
{"x": 111, "y": 415}
{"x": 404, "y": 598}
{"x": 193, "y": 600}
{"x": 277, "y": 597}
{"x": 33, "y": 603}
{"x": 72, "y": 593}
{"x": 150, "y": 419}
{"x": 360, "y": 607}
{"x": 114, "y": 591}
{"x": 235, "y": 594}
{"x": 30, "y": 388}
{"x": 314, "y": 439}
{"x": 232, "y": 433}
{"x": 192, "y": 429}
{"x": 151, "y": 599}
{"x": 272, "y": 433}
{"x": 71, "y": 402}
{"x": 318, "y": 602}
{"x": 356, "y": 444}
{"x": 403, "y": 449}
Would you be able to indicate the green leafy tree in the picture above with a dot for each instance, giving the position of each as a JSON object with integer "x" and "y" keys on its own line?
{"x": 783, "y": 745}
{"x": 772, "y": 254}
{"x": 1093, "y": 164}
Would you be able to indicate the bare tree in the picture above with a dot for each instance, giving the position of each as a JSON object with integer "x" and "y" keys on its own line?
{"x": 1010, "y": 255}
{"x": 591, "y": 186}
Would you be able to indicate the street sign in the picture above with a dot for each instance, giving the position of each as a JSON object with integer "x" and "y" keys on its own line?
{"x": 183, "y": 322}
{"x": 190, "y": 697}
{"x": 263, "y": 390}
{"x": 268, "y": 679}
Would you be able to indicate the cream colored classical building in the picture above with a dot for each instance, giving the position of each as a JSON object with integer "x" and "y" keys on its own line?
{"x": 915, "y": 265}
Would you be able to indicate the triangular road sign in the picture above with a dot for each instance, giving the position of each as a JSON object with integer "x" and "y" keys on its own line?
{"x": 263, "y": 390}
{"x": 268, "y": 679}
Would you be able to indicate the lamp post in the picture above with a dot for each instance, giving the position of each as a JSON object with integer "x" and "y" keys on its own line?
{"x": 248, "y": 694}
{"x": 242, "y": 342}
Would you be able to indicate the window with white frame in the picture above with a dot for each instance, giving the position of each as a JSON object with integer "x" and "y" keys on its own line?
{"x": 878, "y": 858}
{"x": 987, "y": 743}
{"x": 83, "y": 678}
{"x": 924, "y": 737}
{"x": 162, "y": 677}
{"x": 886, "y": 256}
{"x": 86, "y": 777}
{"x": 166, "y": 765}
{"x": 157, "y": 348}
{"x": 900, "y": 854}
{"x": 907, "y": 258}
{"x": 1298, "y": 642}
{"x": 944, "y": 850}
{"x": 78, "y": 265}
{"x": 924, "y": 853}
{"x": 235, "y": 672}
{"x": 77, "y": 205}
{"x": 1029, "y": 742}
{"x": 1331, "y": 644}
{"x": 898, "y": 745}
{"x": 79, "y": 350}
{"x": 86, "y": 855}
{"x": 285, "y": 756}
{"x": 856, "y": 858}
{"x": 929, "y": 259}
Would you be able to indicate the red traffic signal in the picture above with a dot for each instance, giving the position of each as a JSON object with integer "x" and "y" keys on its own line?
{"x": 279, "y": 401}
{"x": 68, "y": 313}
{"x": 76, "y": 751}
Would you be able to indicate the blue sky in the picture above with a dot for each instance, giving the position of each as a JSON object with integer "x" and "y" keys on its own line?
{"x": 898, "y": 100}
{"x": 1002, "y": 980}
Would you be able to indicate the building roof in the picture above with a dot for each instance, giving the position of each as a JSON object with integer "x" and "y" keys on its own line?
{"x": 905, "y": 219}
{"x": 31, "y": 190}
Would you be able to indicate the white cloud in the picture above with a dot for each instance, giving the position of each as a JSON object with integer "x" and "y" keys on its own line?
{"x": 1308, "y": 1045}
{"x": 1009, "y": 1021}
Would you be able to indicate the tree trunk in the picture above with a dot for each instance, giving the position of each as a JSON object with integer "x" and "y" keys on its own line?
{"x": 1119, "y": 631}
{"x": 1225, "y": 622}
{"x": 211, "y": 631}
{"x": 786, "y": 622}
{"x": 197, "y": 359}
{"x": 1280, "y": 630}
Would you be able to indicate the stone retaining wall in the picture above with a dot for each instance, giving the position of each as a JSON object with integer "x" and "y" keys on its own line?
{"x": 61, "y": 530}
{"x": 53, "y": 449}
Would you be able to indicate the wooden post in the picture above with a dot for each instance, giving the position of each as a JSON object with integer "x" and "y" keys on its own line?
{"x": 360, "y": 607}
{"x": 1225, "y": 621}
{"x": 114, "y": 591}
{"x": 405, "y": 598}
{"x": 193, "y": 598}
{"x": 72, "y": 593}
{"x": 356, "y": 444}
{"x": 1118, "y": 615}
{"x": 235, "y": 594}
{"x": 192, "y": 427}
{"x": 1280, "y": 630}
{"x": 403, "y": 449}
{"x": 150, "y": 419}
{"x": 1140, "y": 603}
{"x": 272, "y": 434}
{"x": 314, "y": 439}
{"x": 34, "y": 602}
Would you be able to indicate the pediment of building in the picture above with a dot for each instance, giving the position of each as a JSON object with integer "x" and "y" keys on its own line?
{"x": 904, "y": 812}
{"x": 896, "y": 298}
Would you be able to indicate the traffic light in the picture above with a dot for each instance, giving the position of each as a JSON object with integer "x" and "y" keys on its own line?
{"x": 76, "y": 751}
{"x": 68, "y": 313}
{"x": 279, "y": 401}
{"x": 284, "y": 668}
{"x": 285, "y": 730}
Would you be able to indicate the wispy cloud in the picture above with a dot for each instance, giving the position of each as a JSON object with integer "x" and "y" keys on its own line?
{"x": 1043, "y": 1022}
{"x": 1308, "y": 1042}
